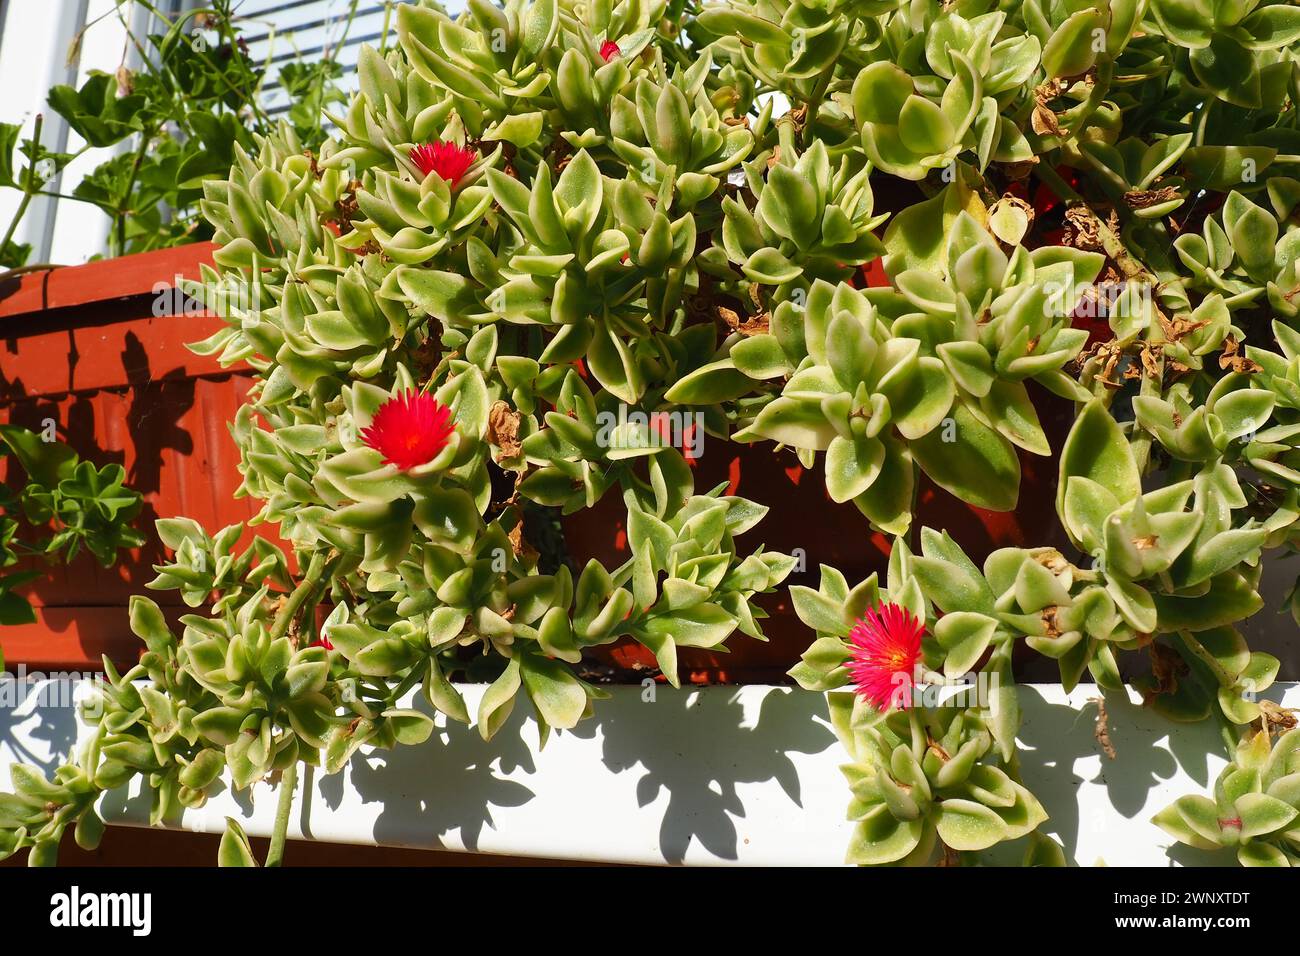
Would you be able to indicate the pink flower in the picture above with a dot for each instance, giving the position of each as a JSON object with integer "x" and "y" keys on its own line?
{"x": 410, "y": 430}
{"x": 448, "y": 160}
{"x": 886, "y": 649}
{"x": 608, "y": 50}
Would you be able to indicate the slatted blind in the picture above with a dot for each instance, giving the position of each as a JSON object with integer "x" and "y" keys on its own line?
{"x": 280, "y": 31}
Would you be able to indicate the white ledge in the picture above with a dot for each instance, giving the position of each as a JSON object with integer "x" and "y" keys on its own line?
{"x": 718, "y": 775}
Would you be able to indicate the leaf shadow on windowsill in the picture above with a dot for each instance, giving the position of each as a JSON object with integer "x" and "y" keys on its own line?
{"x": 451, "y": 782}
{"x": 696, "y": 748}
{"x": 1149, "y": 750}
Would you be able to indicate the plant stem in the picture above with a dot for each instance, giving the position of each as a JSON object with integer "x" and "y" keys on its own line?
{"x": 388, "y": 18}
{"x": 288, "y": 784}
{"x": 24, "y": 270}
{"x": 410, "y": 680}
{"x": 1196, "y": 648}
{"x": 815, "y": 101}
{"x": 1110, "y": 242}
{"x": 18, "y": 217}
{"x": 318, "y": 570}
{"x": 1192, "y": 650}
{"x": 123, "y": 209}
{"x": 29, "y": 190}
{"x": 322, "y": 81}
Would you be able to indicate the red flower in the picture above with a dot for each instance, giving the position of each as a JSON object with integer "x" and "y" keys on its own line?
{"x": 410, "y": 430}
{"x": 324, "y": 642}
{"x": 886, "y": 649}
{"x": 608, "y": 50}
{"x": 448, "y": 160}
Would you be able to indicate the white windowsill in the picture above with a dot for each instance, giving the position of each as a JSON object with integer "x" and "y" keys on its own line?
{"x": 717, "y": 775}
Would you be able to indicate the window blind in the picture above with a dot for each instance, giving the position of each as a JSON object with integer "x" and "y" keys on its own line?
{"x": 281, "y": 31}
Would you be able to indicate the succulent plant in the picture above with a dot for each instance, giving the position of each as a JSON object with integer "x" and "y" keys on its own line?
{"x": 1233, "y": 46}
{"x": 1254, "y": 808}
{"x": 859, "y": 394}
{"x": 548, "y": 235}
{"x": 1247, "y": 251}
{"x": 920, "y": 778}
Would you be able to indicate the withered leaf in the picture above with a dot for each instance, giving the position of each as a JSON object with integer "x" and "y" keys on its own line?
{"x": 503, "y": 430}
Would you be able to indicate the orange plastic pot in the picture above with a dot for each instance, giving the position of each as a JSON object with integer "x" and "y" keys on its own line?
{"x": 99, "y": 350}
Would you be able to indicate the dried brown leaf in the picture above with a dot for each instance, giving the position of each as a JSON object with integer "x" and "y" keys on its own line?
{"x": 503, "y": 430}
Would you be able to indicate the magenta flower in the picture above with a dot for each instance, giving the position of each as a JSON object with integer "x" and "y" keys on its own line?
{"x": 886, "y": 649}
{"x": 410, "y": 430}
{"x": 448, "y": 160}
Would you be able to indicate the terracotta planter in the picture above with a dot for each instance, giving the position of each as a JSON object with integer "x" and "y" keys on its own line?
{"x": 82, "y": 346}
{"x": 803, "y": 517}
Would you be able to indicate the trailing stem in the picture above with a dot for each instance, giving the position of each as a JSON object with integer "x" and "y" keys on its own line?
{"x": 288, "y": 784}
